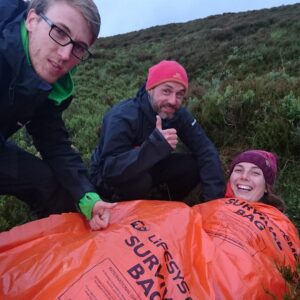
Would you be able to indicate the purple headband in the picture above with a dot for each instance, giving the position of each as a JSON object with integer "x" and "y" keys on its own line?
{"x": 266, "y": 161}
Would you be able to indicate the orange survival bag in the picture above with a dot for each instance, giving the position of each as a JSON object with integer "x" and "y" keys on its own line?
{"x": 223, "y": 249}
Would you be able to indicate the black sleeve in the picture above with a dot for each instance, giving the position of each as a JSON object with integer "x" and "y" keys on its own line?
{"x": 51, "y": 139}
{"x": 120, "y": 158}
{"x": 9, "y": 9}
{"x": 210, "y": 167}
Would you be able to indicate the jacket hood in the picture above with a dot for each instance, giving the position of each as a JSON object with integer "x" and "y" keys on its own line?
{"x": 9, "y": 10}
{"x": 24, "y": 78}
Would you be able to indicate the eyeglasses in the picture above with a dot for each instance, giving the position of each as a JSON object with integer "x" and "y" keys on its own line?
{"x": 62, "y": 38}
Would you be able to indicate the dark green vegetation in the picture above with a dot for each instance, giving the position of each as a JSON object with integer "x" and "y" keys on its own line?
{"x": 245, "y": 88}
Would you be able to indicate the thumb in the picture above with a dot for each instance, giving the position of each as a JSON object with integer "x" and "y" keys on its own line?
{"x": 100, "y": 205}
{"x": 158, "y": 122}
{"x": 108, "y": 205}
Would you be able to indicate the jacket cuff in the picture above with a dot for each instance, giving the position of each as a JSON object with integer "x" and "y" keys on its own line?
{"x": 87, "y": 203}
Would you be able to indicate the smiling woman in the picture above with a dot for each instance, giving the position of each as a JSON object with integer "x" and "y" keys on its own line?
{"x": 251, "y": 177}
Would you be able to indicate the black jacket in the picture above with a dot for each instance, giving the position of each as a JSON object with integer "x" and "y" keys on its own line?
{"x": 24, "y": 102}
{"x": 130, "y": 144}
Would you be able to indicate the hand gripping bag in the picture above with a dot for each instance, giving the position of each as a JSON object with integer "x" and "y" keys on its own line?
{"x": 148, "y": 252}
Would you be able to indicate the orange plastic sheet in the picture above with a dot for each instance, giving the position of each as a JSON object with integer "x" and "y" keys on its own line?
{"x": 223, "y": 249}
{"x": 252, "y": 241}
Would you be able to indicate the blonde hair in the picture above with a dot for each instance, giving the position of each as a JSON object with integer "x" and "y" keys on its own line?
{"x": 87, "y": 8}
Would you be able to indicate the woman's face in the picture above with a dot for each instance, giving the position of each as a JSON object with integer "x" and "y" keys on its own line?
{"x": 247, "y": 181}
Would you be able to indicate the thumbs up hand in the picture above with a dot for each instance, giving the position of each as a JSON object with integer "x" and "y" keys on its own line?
{"x": 170, "y": 135}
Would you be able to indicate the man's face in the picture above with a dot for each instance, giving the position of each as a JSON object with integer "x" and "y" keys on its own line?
{"x": 49, "y": 59}
{"x": 167, "y": 98}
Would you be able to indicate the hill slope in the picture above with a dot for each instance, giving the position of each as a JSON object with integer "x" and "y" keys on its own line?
{"x": 244, "y": 87}
{"x": 235, "y": 63}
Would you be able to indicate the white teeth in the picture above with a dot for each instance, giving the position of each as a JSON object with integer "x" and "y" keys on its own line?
{"x": 244, "y": 187}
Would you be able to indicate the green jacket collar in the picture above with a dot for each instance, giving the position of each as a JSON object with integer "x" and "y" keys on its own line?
{"x": 63, "y": 88}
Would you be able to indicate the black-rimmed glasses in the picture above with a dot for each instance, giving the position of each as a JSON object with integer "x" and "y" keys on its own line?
{"x": 63, "y": 39}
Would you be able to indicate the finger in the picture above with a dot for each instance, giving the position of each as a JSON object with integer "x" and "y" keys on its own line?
{"x": 171, "y": 137}
{"x": 92, "y": 224}
{"x": 171, "y": 131}
{"x": 101, "y": 205}
{"x": 158, "y": 122}
{"x": 172, "y": 140}
{"x": 102, "y": 219}
{"x": 104, "y": 204}
{"x": 98, "y": 222}
{"x": 173, "y": 144}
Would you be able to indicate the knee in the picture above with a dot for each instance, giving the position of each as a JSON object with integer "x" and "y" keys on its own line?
{"x": 43, "y": 177}
{"x": 135, "y": 189}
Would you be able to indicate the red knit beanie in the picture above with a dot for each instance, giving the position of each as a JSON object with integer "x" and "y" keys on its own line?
{"x": 166, "y": 70}
{"x": 266, "y": 161}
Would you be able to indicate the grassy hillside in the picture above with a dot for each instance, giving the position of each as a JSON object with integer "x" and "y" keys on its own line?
{"x": 244, "y": 88}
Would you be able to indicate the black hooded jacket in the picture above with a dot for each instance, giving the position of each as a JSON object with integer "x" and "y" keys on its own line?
{"x": 130, "y": 145}
{"x": 24, "y": 102}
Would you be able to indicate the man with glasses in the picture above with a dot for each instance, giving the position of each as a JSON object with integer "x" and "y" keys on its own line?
{"x": 41, "y": 41}
{"x": 138, "y": 142}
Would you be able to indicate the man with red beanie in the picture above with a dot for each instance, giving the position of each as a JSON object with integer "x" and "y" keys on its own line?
{"x": 139, "y": 139}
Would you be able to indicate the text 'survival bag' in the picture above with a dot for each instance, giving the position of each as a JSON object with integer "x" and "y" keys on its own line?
{"x": 223, "y": 249}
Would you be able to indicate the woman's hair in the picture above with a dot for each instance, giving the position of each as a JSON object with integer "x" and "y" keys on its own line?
{"x": 87, "y": 8}
{"x": 272, "y": 199}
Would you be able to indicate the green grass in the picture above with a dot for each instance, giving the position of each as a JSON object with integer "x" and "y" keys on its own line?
{"x": 289, "y": 187}
{"x": 244, "y": 72}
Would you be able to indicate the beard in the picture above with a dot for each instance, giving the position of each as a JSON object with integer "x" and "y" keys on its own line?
{"x": 160, "y": 109}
